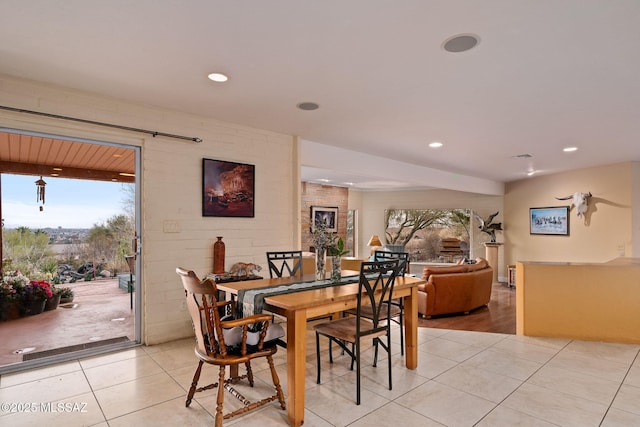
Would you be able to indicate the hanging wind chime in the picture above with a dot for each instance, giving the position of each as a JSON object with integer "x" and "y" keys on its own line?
{"x": 40, "y": 192}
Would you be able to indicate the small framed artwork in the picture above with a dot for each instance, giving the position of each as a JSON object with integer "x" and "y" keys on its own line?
{"x": 552, "y": 220}
{"x": 325, "y": 216}
{"x": 227, "y": 189}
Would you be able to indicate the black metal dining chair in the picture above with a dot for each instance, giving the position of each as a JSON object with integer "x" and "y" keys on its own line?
{"x": 284, "y": 261}
{"x": 281, "y": 262}
{"x": 375, "y": 290}
{"x": 396, "y": 306}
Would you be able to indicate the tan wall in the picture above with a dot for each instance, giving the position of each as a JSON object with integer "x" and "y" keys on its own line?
{"x": 372, "y": 204}
{"x": 171, "y": 188}
{"x": 585, "y": 301}
{"x": 603, "y": 234}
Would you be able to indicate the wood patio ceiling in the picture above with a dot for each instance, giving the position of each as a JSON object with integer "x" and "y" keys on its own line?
{"x": 34, "y": 155}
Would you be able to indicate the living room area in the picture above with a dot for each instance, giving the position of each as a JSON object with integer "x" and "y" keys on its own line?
{"x": 447, "y": 177}
{"x": 603, "y": 233}
{"x": 437, "y": 390}
{"x": 356, "y": 96}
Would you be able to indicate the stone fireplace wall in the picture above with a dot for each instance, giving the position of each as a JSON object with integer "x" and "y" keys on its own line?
{"x": 322, "y": 195}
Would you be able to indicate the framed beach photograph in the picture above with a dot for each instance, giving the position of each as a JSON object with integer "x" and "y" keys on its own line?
{"x": 227, "y": 189}
{"x": 552, "y": 220}
{"x": 326, "y": 216}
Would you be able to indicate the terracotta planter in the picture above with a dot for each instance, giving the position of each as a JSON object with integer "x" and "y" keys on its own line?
{"x": 52, "y": 303}
{"x": 32, "y": 308}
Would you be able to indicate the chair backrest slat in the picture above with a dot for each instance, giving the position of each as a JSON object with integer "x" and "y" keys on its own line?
{"x": 284, "y": 261}
{"x": 402, "y": 257}
{"x": 376, "y": 282}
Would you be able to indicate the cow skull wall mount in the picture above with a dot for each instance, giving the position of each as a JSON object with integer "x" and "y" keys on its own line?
{"x": 580, "y": 201}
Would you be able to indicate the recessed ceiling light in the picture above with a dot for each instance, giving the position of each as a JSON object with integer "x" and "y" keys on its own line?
{"x": 435, "y": 144}
{"x": 308, "y": 106}
{"x": 126, "y": 174}
{"x": 570, "y": 149}
{"x": 55, "y": 174}
{"x": 218, "y": 77}
{"x": 323, "y": 180}
{"x": 57, "y": 169}
{"x": 460, "y": 43}
{"x": 531, "y": 173}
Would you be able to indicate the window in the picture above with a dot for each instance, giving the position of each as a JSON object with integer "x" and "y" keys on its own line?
{"x": 429, "y": 235}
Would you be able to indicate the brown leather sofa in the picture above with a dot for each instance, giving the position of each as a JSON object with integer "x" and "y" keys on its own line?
{"x": 455, "y": 289}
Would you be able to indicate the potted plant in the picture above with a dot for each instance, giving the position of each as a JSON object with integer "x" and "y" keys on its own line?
{"x": 54, "y": 299}
{"x": 336, "y": 250}
{"x": 66, "y": 295}
{"x": 9, "y": 302}
{"x": 35, "y": 297}
{"x": 12, "y": 294}
{"x": 332, "y": 245}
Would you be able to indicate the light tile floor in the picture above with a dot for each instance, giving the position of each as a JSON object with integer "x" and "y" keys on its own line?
{"x": 463, "y": 379}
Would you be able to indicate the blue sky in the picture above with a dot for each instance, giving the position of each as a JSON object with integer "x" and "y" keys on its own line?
{"x": 69, "y": 203}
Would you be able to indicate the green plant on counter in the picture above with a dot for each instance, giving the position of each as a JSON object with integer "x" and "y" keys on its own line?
{"x": 337, "y": 247}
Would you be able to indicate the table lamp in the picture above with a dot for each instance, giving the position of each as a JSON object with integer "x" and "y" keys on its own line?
{"x": 374, "y": 242}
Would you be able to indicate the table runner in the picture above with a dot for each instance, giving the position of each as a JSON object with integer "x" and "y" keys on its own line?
{"x": 251, "y": 301}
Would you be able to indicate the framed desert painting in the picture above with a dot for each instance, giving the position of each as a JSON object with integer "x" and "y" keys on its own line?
{"x": 552, "y": 220}
{"x": 227, "y": 189}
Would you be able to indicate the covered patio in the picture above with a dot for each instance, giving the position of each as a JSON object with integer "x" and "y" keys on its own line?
{"x": 100, "y": 314}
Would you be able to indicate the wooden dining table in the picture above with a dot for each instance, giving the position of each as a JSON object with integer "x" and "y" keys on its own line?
{"x": 299, "y": 306}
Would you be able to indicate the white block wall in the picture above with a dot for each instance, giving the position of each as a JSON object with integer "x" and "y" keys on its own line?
{"x": 171, "y": 190}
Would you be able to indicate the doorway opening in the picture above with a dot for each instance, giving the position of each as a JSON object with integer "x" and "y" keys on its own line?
{"x": 70, "y": 210}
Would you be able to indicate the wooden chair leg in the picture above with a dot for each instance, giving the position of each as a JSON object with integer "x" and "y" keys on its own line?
{"x": 220, "y": 397}
{"x": 276, "y": 382}
{"x": 249, "y": 373}
{"x": 194, "y": 384}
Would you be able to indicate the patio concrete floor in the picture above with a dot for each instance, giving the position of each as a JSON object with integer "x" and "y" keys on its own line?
{"x": 100, "y": 311}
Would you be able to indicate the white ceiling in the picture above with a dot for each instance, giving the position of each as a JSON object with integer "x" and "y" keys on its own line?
{"x": 546, "y": 74}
